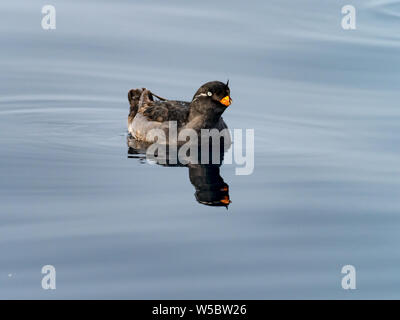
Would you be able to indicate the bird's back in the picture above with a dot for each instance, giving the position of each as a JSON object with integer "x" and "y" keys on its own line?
{"x": 146, "y": 113}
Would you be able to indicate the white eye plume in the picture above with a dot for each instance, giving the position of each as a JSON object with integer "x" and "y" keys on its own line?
{"x": 209, "y": 93}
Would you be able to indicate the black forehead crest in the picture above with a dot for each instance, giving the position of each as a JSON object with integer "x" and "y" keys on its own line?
{"x": 216, "y": 86}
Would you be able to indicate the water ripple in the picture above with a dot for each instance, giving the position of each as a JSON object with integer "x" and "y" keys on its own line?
{"x": 386, "y": 8}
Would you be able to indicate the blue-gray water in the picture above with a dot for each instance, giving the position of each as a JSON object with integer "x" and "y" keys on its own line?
{"x": 324, "y": 193}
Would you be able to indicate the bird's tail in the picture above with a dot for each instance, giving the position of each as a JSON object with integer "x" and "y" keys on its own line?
{"x": 139, "y": 97}
{"x": 133, "y": 98}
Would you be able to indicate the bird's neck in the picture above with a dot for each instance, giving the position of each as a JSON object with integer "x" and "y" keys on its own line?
{"x": 200, "y": 119}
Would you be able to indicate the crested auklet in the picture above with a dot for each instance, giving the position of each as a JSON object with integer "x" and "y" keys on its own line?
{"x": 203, "y": 112}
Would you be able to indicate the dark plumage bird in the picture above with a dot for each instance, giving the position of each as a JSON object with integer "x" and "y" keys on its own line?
{"x": 203, "y": 112}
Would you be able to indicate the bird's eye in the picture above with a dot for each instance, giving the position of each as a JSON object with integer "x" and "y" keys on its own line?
{"x": 209, "y": 93}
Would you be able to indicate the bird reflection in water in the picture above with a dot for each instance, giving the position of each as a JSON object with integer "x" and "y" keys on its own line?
{"x": 211, "y": 189}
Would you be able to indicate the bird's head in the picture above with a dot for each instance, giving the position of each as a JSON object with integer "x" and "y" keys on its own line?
{"x": 212, "y": 97}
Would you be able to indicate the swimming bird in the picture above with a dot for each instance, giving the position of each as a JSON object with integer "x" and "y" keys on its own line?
{"x": 203, "y": 112}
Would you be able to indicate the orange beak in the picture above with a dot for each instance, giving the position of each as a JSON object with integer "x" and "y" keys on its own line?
{"x": 226, "y": 101}
{"x": 225, "y": 200}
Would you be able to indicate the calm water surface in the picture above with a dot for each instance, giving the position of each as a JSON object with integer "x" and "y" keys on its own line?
{"x": 324, "y": 192}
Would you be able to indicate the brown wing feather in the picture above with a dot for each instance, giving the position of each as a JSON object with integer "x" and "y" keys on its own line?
{"x": 142, "y": 101}
{"x": 166, "y": 111}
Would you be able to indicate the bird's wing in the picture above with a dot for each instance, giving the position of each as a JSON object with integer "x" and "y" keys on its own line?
{"x": 166, "y": 111}
{"x": 160, "y": 111}
{"x": 142, "y": 101}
